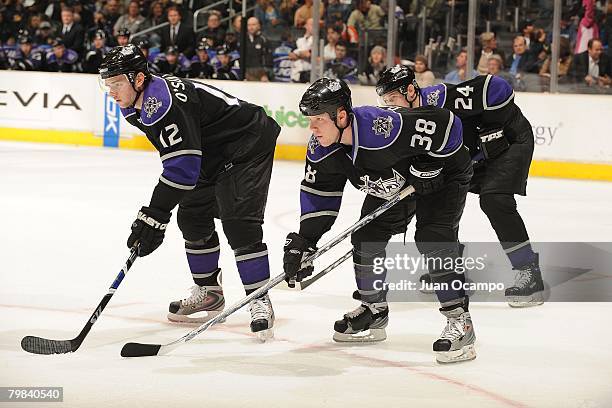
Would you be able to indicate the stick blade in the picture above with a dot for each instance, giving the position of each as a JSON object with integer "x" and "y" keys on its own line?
{"x": 38, "y": 345}
{"x": 140, "y": 350}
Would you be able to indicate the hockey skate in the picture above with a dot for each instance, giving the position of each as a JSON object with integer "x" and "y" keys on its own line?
{"x": 456, "y": 343}
{"x": 262, "y": 318}
{"x": 365, "y": 324}
{"x": 528, "y": 288}
{"x": 208, "y": 299}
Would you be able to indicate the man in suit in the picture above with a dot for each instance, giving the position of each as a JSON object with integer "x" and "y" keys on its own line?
{"x": 177, "y": 33}
{"x": 72, "y": 34}
{"x": 592, "y": 67}
{"x": 520, "y": 61}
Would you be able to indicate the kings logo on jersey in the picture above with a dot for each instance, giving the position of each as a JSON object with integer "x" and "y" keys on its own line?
{"x": 382, "y": 126}
{"x": 313, "y": 143}
{"x": 383, "y": 188}
{"x": 432, "y": 98}
{"x": 151, "y": 106}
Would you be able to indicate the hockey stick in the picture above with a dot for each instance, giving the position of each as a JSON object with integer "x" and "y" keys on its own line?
{"x": 143, "y": 350}
{"x": 306, "y": 283}
{"x": 39, "y": 345}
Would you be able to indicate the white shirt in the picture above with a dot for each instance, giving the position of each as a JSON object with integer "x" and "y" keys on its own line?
{"x": 329, "y": 52}
{"x": 593, "y": 67}
{"x": 299, "y": 65}
{"x": 174, "y": 29}
{"x": 66, "y": 29}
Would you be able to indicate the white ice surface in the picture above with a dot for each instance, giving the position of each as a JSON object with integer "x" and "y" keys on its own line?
{"x": 65, "y": 214}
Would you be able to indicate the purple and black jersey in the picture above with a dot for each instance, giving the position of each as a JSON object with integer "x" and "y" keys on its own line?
{"x": 386, "y": 141}
{"x": 199, "y": 132}
{"x": 486, "y": 101}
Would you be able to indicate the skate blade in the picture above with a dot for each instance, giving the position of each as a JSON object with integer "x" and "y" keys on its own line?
{"x": 370, "y": 336}
{"x": 265, "y": 335}
{"x": 536, "y": 299}
{"x": 176, "y": 318}
{"x": 465, "y": 353}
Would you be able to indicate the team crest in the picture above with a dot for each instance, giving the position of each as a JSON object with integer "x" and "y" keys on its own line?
{"x": 151, "y": 106}
{"x": 382, "y": 126}
{"x": 386, "y": 189}
{"x": 313, "y": 143}
{"x": 334, "y": 86}
{"x": 432, "y": 98}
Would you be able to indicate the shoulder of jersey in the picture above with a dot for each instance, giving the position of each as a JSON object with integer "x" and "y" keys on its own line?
{"x": 316, "y": 153}
{"x": 376, "y": 127}
{"x": 434, "y": 95}
{"x": 156, "y": 101}
{"x": 498, "y": 92}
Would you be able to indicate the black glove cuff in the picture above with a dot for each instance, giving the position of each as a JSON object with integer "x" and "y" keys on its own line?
{"x": 154, "y": 218}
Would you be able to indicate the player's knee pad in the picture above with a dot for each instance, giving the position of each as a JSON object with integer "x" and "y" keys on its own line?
{"x": 208, "y": 242}
{"x": 442, "y": 263}
{"x": 193, "y": 226}
{"x": 241, "y": 233}
{"x": 497, "y": 204}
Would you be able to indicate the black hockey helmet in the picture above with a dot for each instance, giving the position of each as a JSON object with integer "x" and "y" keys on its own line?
{"x": 24, "y": 39}
{"x": 99, "y": 34}
{"x": 223, "y": 50}
{"x": 326, "y": 95}
{"x": 142, "y": 43}
{"x": 397, "y": 77}
{"x": 127, "y": 60}
{"x": 173, "y": 49}
{"x": 124, "y": 32}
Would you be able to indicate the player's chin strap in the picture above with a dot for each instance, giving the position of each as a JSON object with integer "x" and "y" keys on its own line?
{"x": 341, "y": 129}
{"x": 417, "y": 94}
{"x": 131, "y": 76}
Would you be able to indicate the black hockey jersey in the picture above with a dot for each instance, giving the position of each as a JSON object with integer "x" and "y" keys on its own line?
{"x": 386, "y": 141}
{"x": 483, "y": 102}
{"x": 199, "y": 132}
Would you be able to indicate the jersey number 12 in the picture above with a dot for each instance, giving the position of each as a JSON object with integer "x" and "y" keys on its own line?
{"x": 171, "y": 132}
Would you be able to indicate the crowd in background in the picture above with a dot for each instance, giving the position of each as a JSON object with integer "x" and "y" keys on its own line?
{"x": 74, "y": 36}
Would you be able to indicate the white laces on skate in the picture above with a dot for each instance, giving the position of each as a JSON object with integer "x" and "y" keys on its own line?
{"x": 356, "y": 312}
{"x": 523, "y": 277}
{"x": 198, "y": 294}
{"x": 260, "y": 309}
{"x": 454, "y": 328}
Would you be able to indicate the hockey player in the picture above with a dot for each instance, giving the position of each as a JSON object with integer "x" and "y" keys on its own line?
{"x": 228, "y": 68}
{"x": 501, "y": 144}
{"x": 26, "y": 57}
{"x": 217, "y": 154}
{"x": 93, "y": 58}
{"x": 381, "y": 151}
{"x": 173, "y": 62}
{"x": 61, "y": 59}
{"x": 200, "y": 63}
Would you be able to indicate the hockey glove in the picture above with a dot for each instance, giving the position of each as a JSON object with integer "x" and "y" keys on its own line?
{"x": 426, "y": 177}
{"x": 492, "y": 142}
{"x": 148, "y": 230}
{"x": 297, "y": 248}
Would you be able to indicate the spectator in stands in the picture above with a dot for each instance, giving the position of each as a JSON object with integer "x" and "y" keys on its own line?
{"x": 488, "y": 45}
{"x": 305, "y": 12}
{"x": 145, "y": 46}
{"x": 82, "y": 15}
{"x": 422, "y": 73}
{"x": 300, "y": 70}
{"x": 228, "y": 69}
{"x": 588, "y": 28}
{"x": 336, "y": 10}
{"x": 173, "y": 62}
{"x": 564, "y": 63}
{"x": 123, "y": 37}
{"x": 111, "y": 12}
{"x": 213, "y": 29}
{"x": 267, "y": 14}
{"x": 281, "y": 62}
{"x": 366, "y": 16}
{"x": 527, "y": 32}
{"x": 132, "y": 20}
{"x": 376, "y": 65}
{"x": 72, "y": 34}
{"x": 520, "y": 61}
{"x": 177, "y": 33}
{"x": 495, "y": 66}
{"x": 258, "y": 59}
{"x": 592, "y": 67}
{"x": 333, "y": 36}
{"x": 44, "y": 35}
{"x": 93, "y": 58}
{"x": 156, "y": 14}
{"x": 25, "y": 58}
{"x": 61, "y": 59}
{"x": 342, "y": 67}
{"x": 237, "y": 23}
{"x": 460, "y": 73}
{"x": 287, "y": 10}
{"x": 200, "y": 63}
{"x": 539, "y": 49}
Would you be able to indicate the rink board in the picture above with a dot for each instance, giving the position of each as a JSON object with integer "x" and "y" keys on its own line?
{"x": 71, "y": 109}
